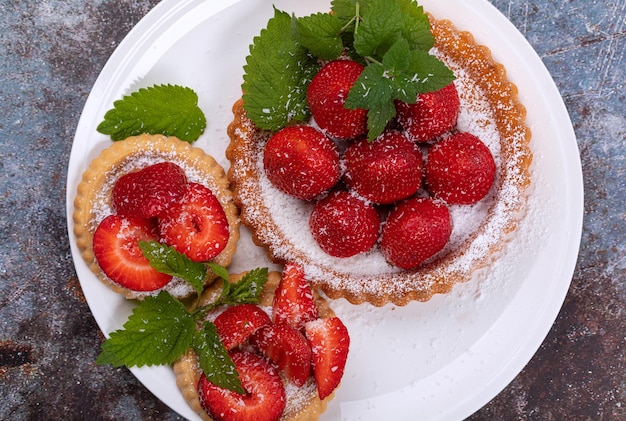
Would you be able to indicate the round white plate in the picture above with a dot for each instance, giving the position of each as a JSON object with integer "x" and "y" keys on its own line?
{"x": 442, "y": 359}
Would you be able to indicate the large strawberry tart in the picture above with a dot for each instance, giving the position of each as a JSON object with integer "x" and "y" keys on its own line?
{"x": 153, "y": 188}
{"x": 290, "y": 351}
{"x": 397, "y": 218}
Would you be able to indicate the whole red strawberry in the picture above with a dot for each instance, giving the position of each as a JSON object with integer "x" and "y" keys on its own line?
{"x": 434, "y": 114}
{"x": 344, "y": 225}
{"x": 196, "y": 225}
{"x": 265, "y": 397}
{"x": 150, "y": 191}
{"x": 301, "y": 162}
{"x": 385, "y": 170}
{"x": 116, "y": 248}
{"x": 415, "y": 230}
{"x": 460, "y": 169}
{"x": 326, "y": 97}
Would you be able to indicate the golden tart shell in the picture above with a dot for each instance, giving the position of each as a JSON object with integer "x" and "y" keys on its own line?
{"x": 489, "y": 109}
{"x": 93, "y": 196}
{"x": 303, "y": 403}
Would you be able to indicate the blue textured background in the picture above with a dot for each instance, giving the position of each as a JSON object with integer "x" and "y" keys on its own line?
{"x": 50, "y": 55}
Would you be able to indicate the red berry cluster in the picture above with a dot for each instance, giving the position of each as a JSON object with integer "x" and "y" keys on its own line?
{"x": 393, "y": 190}
{"x": 293, "y": 341}
{"x": 157, "y": 203}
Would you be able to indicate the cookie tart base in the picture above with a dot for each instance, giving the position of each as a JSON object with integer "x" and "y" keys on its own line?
{"x": 93, "y": 197}
{"x": 303, "y": 403}
{"x": 489, "y": 110}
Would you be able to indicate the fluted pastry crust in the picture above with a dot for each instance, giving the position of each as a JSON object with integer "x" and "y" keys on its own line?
{"x": 489, "y": 109}
{"x": 303, "y": 403}
{"x": 93, "y": 196}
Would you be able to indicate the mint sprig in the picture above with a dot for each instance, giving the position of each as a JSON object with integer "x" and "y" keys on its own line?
{"x": 277, "y": 71}
{"x": 392, "y": 38}
{"x": 161, "y": 328}
{"x": 170, "y": 110}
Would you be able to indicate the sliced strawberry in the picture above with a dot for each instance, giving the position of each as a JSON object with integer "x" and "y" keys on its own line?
{"x": 434, "y": 114}
{"x": 150, "y": 191}
{"x": 326, "y": 97}
{"x": 344, "y": 225}
{"x": 301, "y": 162}
{"x": 330, "y": 342}
{"x": 414, "y": 231}
{"x": 237, "y": 324}
{"x": 293, "y": 304}
{"x": 116, "y": 247}
{"x": 196, "y": 225}
{"x": 385, "y": 170}
{"x": 460, "y": 169}
{"x": 264, "y": 399}
{"x": 287, "y": 348}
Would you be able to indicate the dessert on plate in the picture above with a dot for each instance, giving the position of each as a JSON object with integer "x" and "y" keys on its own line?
{"x": 294, "y": 341}
{"x": 382, "y": 212}
{"x": 153, "y": 188}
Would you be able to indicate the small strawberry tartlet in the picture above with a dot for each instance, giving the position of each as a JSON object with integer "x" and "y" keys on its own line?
{"x": 290, "y": 351}
{"x": 153, "y": 188}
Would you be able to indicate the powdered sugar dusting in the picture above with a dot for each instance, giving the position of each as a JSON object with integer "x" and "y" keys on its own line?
{"x": 281, "y": 222}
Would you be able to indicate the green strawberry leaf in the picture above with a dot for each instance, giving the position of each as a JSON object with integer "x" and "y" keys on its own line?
{"x": 170, "y": 110}
{"x": 277, "y": 72}
{"x": 214, "y": 359}
{"x": 167, "y": 260}
{"x": 159, "y": 331}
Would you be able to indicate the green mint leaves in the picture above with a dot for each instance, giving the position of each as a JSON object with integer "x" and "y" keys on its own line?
{"x": 159, "y": 331}
{"x": 277, "y": 71}
{"x": 170, "y": 110}
{"x": 161, "y": 328}
{"x": 392, "y": 38}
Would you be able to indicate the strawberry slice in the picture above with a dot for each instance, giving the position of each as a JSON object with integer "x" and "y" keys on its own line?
{"x": 330, "y": 341}
{"x": 150, "y": 191}
{"x": 237, "y": 323}
{"x": 196, "y": 225}
{"x": 264, "y": 399}
{"x": 287, "y": 348}
{"x": 293, "y": 304}
{"x": 116, "y": 247}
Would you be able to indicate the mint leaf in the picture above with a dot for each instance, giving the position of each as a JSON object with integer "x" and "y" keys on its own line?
{"x": 214, "y": 359}
{"x": 379, "y": 30}
{"x": 167, "y": 260}
{"x": 277, "y": 72}
{"x": 402, "y": 75}
{"x": 246, "y": 290}
{"x": 321, "y": 34}
{"x": 170, "y": 110}
{"x": 220, "y": 271}
{"x": 415, "y": 26}
{"x": 159, "y": 331}
{"x": 428, "y": 73}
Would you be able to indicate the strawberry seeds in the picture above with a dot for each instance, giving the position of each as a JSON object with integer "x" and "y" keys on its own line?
{"x": 420, "y": 158}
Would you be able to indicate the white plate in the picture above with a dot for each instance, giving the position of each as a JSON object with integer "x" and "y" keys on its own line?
{"x": 443, "y": 359}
